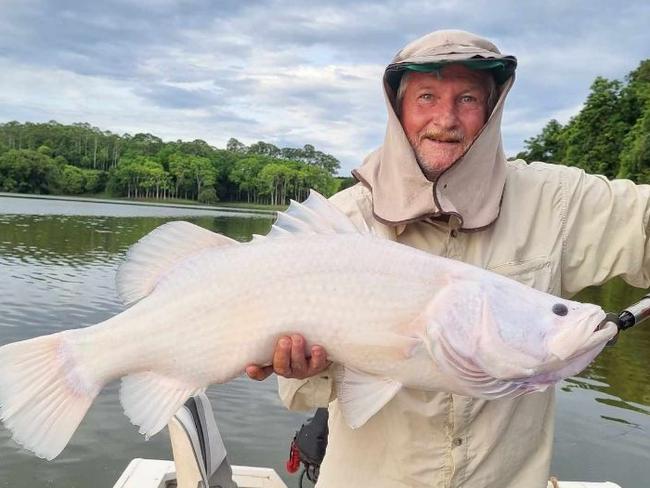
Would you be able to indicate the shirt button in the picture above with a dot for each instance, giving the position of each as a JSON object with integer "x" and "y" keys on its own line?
{"x": 457, "y": 441}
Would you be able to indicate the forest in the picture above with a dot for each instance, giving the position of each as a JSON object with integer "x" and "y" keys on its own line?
{"x": 609, "y": 136}
{"x": 77, "y": 159}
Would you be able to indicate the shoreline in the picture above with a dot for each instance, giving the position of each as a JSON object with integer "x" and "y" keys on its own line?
{"x": 130, "y": 202}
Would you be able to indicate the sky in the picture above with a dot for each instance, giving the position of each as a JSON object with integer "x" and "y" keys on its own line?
{"x": 290, "y": 72}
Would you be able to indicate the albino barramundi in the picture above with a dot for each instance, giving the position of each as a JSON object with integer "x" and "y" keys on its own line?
{"x": 207, "y": 306}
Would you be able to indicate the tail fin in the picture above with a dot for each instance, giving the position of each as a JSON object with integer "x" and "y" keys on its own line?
{"x": 42, "y": 399}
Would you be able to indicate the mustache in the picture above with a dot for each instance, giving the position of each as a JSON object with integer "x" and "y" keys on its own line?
{"x": 451, "y": 135}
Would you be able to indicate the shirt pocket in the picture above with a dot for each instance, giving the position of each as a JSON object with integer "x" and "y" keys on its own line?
{"x": 535, "y": 272}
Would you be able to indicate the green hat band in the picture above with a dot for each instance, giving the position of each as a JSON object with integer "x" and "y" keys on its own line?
{"x": 498, "y": 67}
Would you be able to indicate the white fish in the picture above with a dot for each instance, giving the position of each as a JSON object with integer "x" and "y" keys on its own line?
{"x": 207, "y": 306}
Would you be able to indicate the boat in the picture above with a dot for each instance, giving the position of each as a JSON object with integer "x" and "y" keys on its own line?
{"x": 200, "y": 459}
{"x": 157, "y": 473}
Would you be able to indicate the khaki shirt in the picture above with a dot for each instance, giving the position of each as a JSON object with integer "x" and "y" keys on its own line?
{"x": 559, "y": 230}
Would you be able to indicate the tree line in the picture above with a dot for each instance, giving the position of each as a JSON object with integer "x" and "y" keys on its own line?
{"x": 53, "y": 158}
{"x": 609, "y": 136}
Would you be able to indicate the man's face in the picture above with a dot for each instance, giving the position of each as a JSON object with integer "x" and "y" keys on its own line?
{"x": 442, "y": 113}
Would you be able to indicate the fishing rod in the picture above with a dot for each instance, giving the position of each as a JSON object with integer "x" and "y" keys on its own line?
{"x": 631, "y": 316}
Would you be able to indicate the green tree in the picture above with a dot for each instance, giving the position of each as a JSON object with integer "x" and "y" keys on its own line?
{"x": 95, "y": 181}
{"x": 72, "y": 181}
{"x": 143, "y": 165}
{"x": 28, "y": 171}
{"x": 635, "y": 157}
{"x": 190, "y": 174}
{"x": 138, "y": 177}
{"x": 309, "y": 154}
{"x": 208, "y": 196}
{"x": 234, "y": 145}
{"x": 181, "y": 175}
{"x": 345, "y": 182}
{"x": 45, "y": 150}
{"x": 608, "y": 136}
{"x": 594, "y": 138}
{"x": 79, "y": 144}
{"x": 264, "y": 148}
{"x": 244, "y": 173}
{"x": 548, "y": 146}
{"x": 274, "y": 180}
{"x": 224, "y": 161}
{"x": 203, "y": 172}
{"x": 320, "y": 180}
{"x": 142, "y": 145}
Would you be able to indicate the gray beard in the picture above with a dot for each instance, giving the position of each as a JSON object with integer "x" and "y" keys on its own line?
{"x": 429, "y": 173}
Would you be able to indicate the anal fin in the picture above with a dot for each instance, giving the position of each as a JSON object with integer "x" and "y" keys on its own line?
{"x": 150, "y": 400}
{"x": 361, "y": 395}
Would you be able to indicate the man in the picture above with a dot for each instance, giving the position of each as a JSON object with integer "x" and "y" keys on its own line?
{"x": 441, "y": 183}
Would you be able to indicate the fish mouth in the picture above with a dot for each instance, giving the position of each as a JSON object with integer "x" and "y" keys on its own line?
{"x": 564, "y": 366}
{"x": 608, "y": 328}
{"x": 591, "y": 330}
{"x": 604, "y": 331}
{"x": 609, "y": 317}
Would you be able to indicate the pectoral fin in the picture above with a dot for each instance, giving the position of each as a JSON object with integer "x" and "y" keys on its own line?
{"x": 361, "y": 395}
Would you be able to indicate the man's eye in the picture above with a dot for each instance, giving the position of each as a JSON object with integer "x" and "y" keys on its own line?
{"x": 468, "y": 99}
{"x": 427, "y": 97}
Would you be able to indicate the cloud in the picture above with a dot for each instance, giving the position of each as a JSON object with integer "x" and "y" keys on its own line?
{"x": 289, "y": 72}
{"x": 177, "y": 97}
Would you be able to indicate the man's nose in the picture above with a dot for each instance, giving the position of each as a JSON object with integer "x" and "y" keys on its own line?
{"x": 446, "y": 116}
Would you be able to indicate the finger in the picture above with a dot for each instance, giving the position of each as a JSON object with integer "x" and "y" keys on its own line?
{"x": 282, "y": 357}
{"x": 258, "y": 373}
{"x": 298, "y": 359}
{"x": 318, "y": 361}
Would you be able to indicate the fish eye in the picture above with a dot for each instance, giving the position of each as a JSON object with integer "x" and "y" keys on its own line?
{"x": 560, "y": 309}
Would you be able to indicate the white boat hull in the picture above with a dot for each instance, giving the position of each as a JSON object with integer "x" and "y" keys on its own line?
{"x": 156, "y": 473}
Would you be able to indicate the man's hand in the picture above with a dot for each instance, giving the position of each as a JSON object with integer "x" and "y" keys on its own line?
{"x": 291, "y": 360}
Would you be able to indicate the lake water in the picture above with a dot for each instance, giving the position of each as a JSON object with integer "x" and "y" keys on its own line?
{"x": 57, "y": 268}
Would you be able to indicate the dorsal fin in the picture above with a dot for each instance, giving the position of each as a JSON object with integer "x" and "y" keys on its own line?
{"x": 159, "y": 251}
{"x": 316, "y": 215}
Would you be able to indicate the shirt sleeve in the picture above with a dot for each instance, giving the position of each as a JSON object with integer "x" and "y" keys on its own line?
{"x": 605, "y": 231}
{"x": 314, "y": 392}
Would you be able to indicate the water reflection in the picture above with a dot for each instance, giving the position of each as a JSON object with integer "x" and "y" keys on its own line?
{"x": 625, "y": 368}
{"x": 76, "y": 240}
